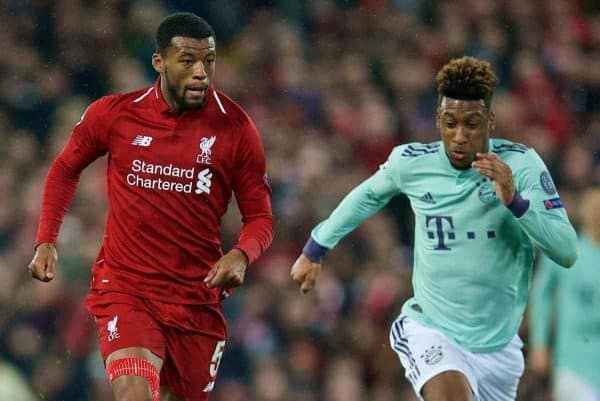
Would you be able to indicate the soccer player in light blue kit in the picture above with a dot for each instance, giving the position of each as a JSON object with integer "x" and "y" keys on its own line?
{"x": 481, "y": 205}
{"x": 572, "y": 300}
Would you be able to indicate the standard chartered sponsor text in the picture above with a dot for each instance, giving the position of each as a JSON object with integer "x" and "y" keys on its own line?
{"x": 140, "y": 166}
{"x": 169, "y": 170}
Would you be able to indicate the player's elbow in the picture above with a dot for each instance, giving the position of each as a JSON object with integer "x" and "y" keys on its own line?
{"x": 266, "y": 227}
{"x": 570, "y": 260}
{"x": 270, "y": 228}
{"x": 566, "y": 254}
{"x": 567, "y": 257}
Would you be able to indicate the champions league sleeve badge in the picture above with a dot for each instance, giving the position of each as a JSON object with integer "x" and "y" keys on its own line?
{"x": 547, "y": 184}
{"x": 554, "y": 203}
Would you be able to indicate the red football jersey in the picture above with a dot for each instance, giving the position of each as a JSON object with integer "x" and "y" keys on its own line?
{"x": 170, "y": 179}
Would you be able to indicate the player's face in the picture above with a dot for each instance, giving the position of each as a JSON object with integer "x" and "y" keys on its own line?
{"x": 465, "y": 126}
{"x": 187, "y": 69}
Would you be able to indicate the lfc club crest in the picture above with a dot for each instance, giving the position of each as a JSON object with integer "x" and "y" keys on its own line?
{"x": 206, "y": 145}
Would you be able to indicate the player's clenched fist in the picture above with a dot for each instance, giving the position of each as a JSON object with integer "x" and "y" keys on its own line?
{"x": 43, "y": 263}
{"x": 305, "y": 273}
{"x": 229, "y": 271}
{"x": 490, "y": 165}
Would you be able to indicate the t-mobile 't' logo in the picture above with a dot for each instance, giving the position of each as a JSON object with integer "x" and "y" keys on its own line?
{"x": 439, "y": 230}
{"x": 204, "y": 181}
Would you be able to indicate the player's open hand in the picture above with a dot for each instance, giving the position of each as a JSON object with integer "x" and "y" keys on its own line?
{"x": 305, "y": 273}
{"x": 490, "y": 165}
{"x": 43, "y": 263}
{"x": 229, "y": 271}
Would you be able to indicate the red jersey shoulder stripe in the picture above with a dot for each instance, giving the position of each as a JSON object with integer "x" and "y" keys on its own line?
{"x": 144, "y": 95}
{"x": 219, "y": 102}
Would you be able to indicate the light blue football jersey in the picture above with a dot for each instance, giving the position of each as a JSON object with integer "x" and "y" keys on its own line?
{"x": 570, "y": 298}
{"x": 473, "y": 258}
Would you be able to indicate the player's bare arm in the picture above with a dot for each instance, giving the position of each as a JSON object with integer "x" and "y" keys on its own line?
{"x": 540, "y": 360}
{"x": 490, "y": 165}
{"x": 229, "y": 271}
{"x": 305, "y": 273}
{"x": 43, "y": 263}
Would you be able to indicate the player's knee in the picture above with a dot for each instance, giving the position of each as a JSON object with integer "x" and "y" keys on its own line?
{"x": 448, "y": 386}
{"x": 450, "y": 395}
{"x": 132, "y": 388}
{"x": 134, "y": 379}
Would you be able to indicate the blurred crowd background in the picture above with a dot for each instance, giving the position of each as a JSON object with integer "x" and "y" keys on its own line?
{"x": 332, "y": 85}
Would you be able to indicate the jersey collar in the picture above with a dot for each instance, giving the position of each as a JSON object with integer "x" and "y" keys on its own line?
{"x": 158, "y": 100}
{"x": 448, "y": 166}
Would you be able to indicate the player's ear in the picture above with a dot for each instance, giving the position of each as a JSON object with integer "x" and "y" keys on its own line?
{"x": 437, "y": 119}
{"x": 158, "y": 63}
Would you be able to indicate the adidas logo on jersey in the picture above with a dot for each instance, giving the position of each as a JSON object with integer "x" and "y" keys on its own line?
{"x": 427, "y": 198}
{"x": 142, "y": 140}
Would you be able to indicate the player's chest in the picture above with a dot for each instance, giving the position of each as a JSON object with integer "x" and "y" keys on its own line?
{"x": 454, "y": 214}
{"x": 472, "y": 194}
{"x": 181, "y": 144}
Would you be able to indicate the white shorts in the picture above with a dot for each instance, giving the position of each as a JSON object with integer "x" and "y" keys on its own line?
{"x": 569, "y": 387}
{"x": 425, "y": 352}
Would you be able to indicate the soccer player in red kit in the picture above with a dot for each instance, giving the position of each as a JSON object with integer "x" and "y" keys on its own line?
{"x": 177, "y": 151}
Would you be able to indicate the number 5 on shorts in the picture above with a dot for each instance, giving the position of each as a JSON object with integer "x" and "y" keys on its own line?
{"x": 216, "y": 359}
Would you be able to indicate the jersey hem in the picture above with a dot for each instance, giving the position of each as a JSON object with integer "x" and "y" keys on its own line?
{"x": 426, "y": 321}
{"x": 152, "y": 297}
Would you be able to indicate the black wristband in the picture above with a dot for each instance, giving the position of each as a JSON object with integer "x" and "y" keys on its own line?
{"x": 313, "y": 251}
{"x": 518, "y": 206}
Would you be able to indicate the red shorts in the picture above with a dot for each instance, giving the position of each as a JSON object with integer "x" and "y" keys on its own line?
{"x": 188, "y": 338}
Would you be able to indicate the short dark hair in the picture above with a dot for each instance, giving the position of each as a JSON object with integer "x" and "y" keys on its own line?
{"x": 181, "y": 24}
{"x": 467, "y": 78}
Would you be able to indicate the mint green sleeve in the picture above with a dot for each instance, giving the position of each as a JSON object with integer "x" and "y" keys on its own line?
{"x": 361, "y": 203}
{"x": 548, "y": 228}
{"x": 542, "y": 301}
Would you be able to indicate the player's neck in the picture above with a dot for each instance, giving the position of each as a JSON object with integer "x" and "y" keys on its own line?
{"x": 173, "y": 105}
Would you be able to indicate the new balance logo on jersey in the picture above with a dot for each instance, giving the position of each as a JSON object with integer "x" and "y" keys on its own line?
{"x": 142, "y": 140}
{"x": 204, "y": 181}
{"x": 427, "y": 198}
{"x": 111, "y": 326}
